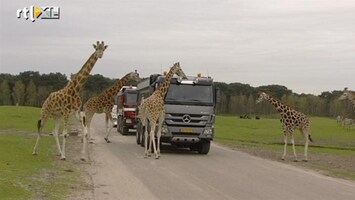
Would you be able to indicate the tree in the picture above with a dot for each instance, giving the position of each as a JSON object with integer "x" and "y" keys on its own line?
{"x": 277, "y": 91}
{"x": 43, "y": 93}
{"x": 19, "y": 92}
{"x": 5, "y": 93}
{"x": 31, "y": 94}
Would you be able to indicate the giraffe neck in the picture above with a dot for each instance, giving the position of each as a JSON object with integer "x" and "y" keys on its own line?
{"x": 163, "y": 89}
{"x": 351, "y": 96}
{"x": 352, "y": 100}
{"x": 278, "y": 105}
{"x": 113, "y": 90}
{"x": 80, "y": 78}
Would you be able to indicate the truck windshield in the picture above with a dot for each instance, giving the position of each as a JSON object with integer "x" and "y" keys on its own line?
{"x": 131, "y": 98}
{"x": 190, "y": 94}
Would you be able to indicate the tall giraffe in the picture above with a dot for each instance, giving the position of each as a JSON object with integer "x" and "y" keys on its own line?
{"x": 291, "y": 120}
{"x": 350, "y": 95}
{"x": 152, "y": 109}
{"x": 62, "y": 103}
{"x": 103, "y": 103}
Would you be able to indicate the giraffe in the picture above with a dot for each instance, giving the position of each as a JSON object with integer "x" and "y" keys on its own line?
{"x": 152, "y": 110}
{"x": 103, "y": 103}
{"x": 291, "y": 120}
{"x": 61, "y": 104}
{"x": 350, "y": 95}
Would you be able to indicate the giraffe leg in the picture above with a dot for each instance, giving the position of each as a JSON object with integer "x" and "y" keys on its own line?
{"x": 65, "y": 135}
{"x": 285, "y": 146}
{"x": 108, "y": 128}
{"x": 146, "y": 152}
{"x": 150, "y": 143}
{"x": 56, "y": 133}
{"x": 88, "y": 123}
{"x": 85, "y": 141}
{"x": 80, "y": 119}
{"x": 160, "y": 124}
{"x": 306, "y": 139}
{"x": 293, "y": 147}
{"x": 36, "y": 145}
{"x": 152, "y": 138}
{"x": 40, "y": 126}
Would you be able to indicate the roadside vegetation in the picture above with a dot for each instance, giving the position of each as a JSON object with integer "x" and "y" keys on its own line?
{"x": 24, "y": 176}
{"x": 332, "y": 151}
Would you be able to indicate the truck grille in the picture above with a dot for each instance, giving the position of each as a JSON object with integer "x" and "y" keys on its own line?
{"x": 186, "y": 119}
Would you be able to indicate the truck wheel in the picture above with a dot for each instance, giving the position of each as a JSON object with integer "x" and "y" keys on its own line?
{"x": 204, "y": 147}
{"x": 124, "y": 130}
{"x": 142, "y": 135}
{"x": 138, "y": 133}
{"x": 118, "y": 124}
{"x": 194, "y": 147}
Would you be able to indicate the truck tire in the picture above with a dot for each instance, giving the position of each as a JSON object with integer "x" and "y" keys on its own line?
{"x": 138, "y": 133}
{"x": 124, "y": 130}
{"x": 118, "y": 124}
{"x": 204, "y": 147}
{"x": 142, "y": 135}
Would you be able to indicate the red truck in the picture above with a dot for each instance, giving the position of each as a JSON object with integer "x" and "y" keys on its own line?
{"x": 126, "y": 101}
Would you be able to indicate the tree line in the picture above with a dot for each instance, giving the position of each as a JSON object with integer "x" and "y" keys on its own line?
{"x": 31, "y": 88}
{"x": 239, "y": 99}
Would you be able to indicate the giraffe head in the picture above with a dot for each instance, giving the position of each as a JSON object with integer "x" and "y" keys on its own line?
{"x": 263, "y": 96}
{"x": 176, "y": 69}
{"x": 100, "y": 48}
{"x": 134, "y": 76}
{"x": 346, "y": 95}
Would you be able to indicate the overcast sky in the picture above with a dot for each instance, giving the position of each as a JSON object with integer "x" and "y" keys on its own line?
{"x": 305, "y": 45}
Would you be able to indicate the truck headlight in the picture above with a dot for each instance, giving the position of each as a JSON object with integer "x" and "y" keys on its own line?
{"x": 208, "y": 131}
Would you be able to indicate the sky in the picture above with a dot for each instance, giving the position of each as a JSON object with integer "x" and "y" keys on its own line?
{"x": 306, "y": 45}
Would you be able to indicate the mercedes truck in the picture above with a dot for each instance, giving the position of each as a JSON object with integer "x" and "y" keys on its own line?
{"x": 190, "y": 107}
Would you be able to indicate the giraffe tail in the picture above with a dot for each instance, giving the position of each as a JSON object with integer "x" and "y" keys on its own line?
{"x": 39, "y": 124}
{"x": 310, "y": 138}
{"x": 84, "y": 120}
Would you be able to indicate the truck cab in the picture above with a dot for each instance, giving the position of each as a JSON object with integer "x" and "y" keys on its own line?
{"x": 190, "y": 106}
{"x": 126, "y": 101}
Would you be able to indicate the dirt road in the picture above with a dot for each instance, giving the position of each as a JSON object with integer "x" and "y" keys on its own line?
{"x": 119, "y": 171}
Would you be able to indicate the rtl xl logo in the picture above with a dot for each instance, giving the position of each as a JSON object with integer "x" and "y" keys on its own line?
{"x": 33, "y": 12}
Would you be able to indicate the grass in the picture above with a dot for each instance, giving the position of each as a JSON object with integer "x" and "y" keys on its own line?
{"x": 21, "y": 118}
{"x": 23, "y": 176}
{"x": 333, "y": 149}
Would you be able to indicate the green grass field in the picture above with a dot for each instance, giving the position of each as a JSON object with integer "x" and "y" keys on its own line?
{"x": 22, "y": 175}
{"x": 21, "y": 118}
{"x": 332, "y": 143}
{"x": 325, "y": 133}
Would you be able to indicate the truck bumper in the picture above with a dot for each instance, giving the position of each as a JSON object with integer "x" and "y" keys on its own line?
{"x": 174, "y": 134}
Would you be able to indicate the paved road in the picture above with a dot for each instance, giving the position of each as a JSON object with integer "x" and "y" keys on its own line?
{"x": 120, "y": 172}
